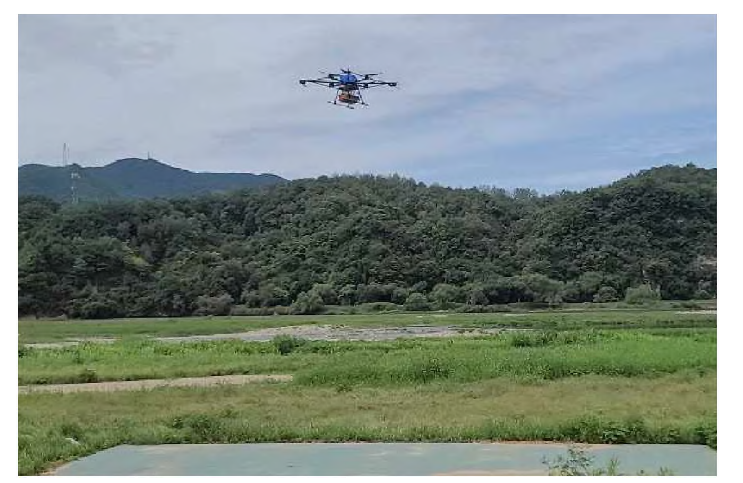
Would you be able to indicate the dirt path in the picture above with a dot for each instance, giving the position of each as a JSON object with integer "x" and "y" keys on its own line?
{"x": 153, "y": 383}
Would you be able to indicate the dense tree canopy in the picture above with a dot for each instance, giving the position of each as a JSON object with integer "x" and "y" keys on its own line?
{"x": 367, "y": 239}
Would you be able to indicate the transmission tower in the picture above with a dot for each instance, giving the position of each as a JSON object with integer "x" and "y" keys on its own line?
{"x": 74, "y": 175}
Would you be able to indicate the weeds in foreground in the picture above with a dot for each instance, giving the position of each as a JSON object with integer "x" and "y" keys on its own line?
{"x": 579, "y": 463}
{"x": 286, "y": 344}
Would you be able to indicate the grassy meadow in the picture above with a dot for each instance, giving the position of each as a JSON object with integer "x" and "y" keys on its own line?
{"x": 595, "y": 377}
{"x": 519, "y": 355}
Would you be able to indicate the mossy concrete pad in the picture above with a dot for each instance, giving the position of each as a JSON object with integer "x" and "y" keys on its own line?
{"x": 390, "y": 459}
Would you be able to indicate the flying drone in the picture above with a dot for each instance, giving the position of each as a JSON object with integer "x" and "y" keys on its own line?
{"x": 348, "y": 86}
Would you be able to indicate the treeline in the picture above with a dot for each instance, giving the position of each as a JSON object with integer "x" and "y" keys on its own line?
{"x": 347, "y": 240}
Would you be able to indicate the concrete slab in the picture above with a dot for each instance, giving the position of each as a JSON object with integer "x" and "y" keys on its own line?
{"x": 398, "y": 459}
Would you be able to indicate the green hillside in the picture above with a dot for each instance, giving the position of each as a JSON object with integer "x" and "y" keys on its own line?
{"x": 130, "y": 178}
{"x": 350, "y": 240}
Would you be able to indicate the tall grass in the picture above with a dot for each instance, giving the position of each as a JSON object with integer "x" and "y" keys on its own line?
{"x": 477, "y": 360}
{"x": 142, "y": 359}
{"x": 523, "y": 356}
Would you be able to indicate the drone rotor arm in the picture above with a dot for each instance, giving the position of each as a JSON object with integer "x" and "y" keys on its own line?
{"x": 369, "y": 76}
{"x": 376, "y": 83}
{"x": 320, "y": 82}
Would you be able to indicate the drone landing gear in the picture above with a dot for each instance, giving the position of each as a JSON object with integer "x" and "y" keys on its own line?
{"x": 347, "y": 106}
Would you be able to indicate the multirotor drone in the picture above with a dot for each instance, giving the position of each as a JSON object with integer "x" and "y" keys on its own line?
{"x": 348, "y": 86}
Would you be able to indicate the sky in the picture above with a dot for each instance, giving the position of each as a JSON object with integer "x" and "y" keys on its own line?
{"x": 549, "y": 102}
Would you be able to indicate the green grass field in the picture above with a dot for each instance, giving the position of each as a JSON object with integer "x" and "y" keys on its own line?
{"x": 596, "y": 377}
{"x": 34, "y": 331}
{"x": 676, "y": 408}
{"x": 533, "y": 355}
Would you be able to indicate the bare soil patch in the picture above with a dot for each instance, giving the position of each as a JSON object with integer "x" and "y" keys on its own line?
{"x": 315, "y": 332}
{"x": 332, "y": 333}
{"x": 154, "y": 383}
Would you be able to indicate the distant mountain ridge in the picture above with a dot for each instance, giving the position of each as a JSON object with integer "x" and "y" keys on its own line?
{"x": 131, "y": 178}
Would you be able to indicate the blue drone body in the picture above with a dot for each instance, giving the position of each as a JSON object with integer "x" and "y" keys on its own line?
{"x": 348, "y": 86}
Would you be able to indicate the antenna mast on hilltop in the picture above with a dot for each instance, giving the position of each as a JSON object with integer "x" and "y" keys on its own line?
{"x": 74, "y": 175}
{"x": 73, "y": 188}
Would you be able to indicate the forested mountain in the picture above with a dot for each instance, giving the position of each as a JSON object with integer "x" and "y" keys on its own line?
{"x": 130, "y": 178}
{"x": 350, "y": 240}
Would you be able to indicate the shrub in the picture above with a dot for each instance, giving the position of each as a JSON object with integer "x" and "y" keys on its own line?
{"x": 445, "y": 295}
{"x": 88, "y": 375}
{"x": 308, "y": 303}
{"x": 219, "y": 305}
{"x": 544, "y": 289}
{"x": 606, "y": 294}
{"x": 347, "y": 295}
{"x": 23, "y": 350}
{"x": 399, "y": 295}
{"x": 373, "y": 292}
{"x": 576, "y": 463}
{"x": 326, "y": 292}
{"x": 94, "y": 306}
{"x": 707, "y": 434}
{"x": 199, "y": 428}
{"x": 641, "y": 294}
{"x": 417, "y": 302}
{"x": 286, "y": 344}
{"x": 476, "y": 297}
